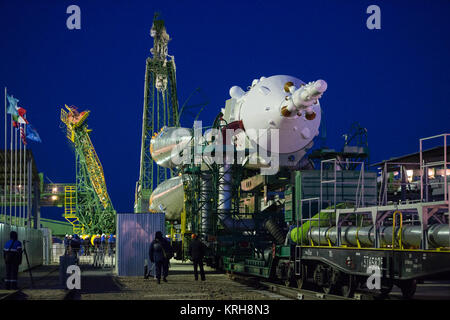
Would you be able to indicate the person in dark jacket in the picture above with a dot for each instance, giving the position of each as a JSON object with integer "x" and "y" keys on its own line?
{"x": 66, "y": 244}
{"x": 103, "y": 242}
{"x": 160, "y": 253}
{"x": 111, "y": 244}
{"x": 87, "y": 241}
{"x": 75, "y": 245}
{"x": 12, "y": 254}
{"x": 197, "y": 251}
{"x": 82, "y": 252}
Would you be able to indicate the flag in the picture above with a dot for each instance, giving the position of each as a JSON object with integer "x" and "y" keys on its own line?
{"x": 21, "y": 112}
{"x": 22, "y": 120}
{"x": 22, "y": 135}
{"x": 18, "y": 117}
{"x": 15, "y": 119}
{"x": 16, "y": 111}
{"x": 32, "y": 134}
{"x": 12, "y": 104}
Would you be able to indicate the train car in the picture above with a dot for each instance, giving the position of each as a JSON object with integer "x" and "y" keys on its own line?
{"x": 352, "y": 244}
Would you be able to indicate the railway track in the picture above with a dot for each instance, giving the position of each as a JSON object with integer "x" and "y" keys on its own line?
{"x": 302, "y": 294}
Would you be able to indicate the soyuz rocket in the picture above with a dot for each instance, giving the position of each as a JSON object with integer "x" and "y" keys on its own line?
{"x": 280, "y": 102}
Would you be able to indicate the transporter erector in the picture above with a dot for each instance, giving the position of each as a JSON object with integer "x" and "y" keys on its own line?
{"x": 248, "y": 187}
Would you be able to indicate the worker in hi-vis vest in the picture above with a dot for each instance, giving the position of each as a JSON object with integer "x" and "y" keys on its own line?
{"x": 12, "y": 254}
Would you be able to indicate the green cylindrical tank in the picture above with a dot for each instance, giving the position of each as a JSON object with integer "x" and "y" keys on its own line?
{"x": 300, "y": 234}
{"x": 325, "y": 218}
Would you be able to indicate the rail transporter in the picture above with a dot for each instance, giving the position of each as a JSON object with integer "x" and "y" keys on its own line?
{"x": 268, "y": 208}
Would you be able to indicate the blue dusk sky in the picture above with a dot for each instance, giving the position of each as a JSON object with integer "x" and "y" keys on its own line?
{"x": 394, "y": 81}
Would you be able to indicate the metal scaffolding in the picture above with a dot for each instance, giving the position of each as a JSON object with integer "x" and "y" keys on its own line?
{"x": 94, "y": 211}
{"x": 160, "y": 109}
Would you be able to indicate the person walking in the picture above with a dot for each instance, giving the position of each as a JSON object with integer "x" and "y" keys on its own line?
{"x": 197, "y": 251}
{"x": 12, "y": 254}
{"x": 160, "y": 253}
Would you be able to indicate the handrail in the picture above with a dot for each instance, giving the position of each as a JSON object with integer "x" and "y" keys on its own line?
{"x": 327, "y": 236}
{"x": 357, "y": 237}
{"x": 310, "y": 236}
{"x": 400, "y": 230}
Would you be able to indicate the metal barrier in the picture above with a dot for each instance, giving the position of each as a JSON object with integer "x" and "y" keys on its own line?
{"x": 101, "y": 257}
{"x": 32, "y": 241}
{"x": 135, "y": 232}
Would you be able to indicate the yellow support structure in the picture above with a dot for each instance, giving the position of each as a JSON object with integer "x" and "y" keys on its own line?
{"x": 95, "y": 170}
{"x": 93, "y": 163}
{"x": 90, "y": 197}
{"x": 70, "y": 211}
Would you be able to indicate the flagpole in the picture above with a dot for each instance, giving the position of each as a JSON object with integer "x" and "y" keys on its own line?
{"x": 20, "y": 174}
{"x": 20, "y": 178}
{"x": 25, "y": 198}
{"x": 10, "y": 171}
{"x": 22, "y": 189}
{"x": 15, "y": 178}
{"x": 5, "y": 153}
{"x": 29, "y": 195}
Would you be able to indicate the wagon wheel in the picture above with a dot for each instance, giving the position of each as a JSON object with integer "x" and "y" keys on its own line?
{"x": 301, "y": 280}
{"x": 348, "y": 285}
{"x": 290, "y": 281}
{"x": 408, "y": 288}
{"x": 386, "y": 287}
{"x": 328, "y": 288}
{"x": 329, "y": 281}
